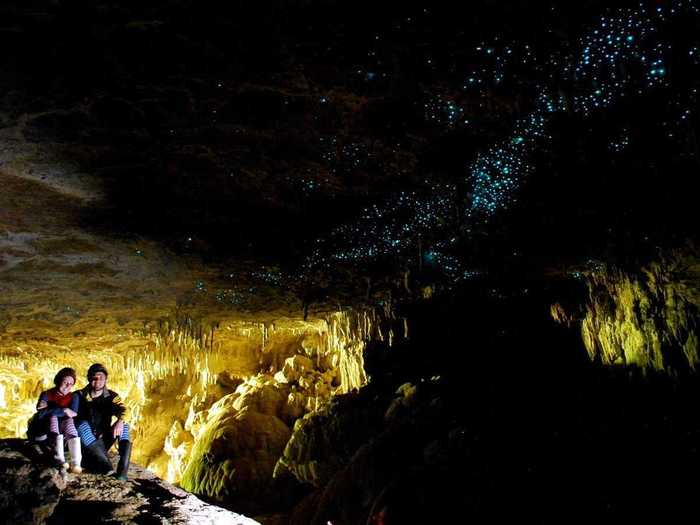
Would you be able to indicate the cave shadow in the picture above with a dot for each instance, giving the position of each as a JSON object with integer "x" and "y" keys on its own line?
{"x": 72, "y": 511}
{"x": 512, "y": 420}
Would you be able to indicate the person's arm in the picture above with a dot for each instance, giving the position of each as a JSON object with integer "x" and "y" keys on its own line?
{"x": 75, "y": 403}
{"x": 44, "y": 409}
{"x": 118, "y": 410}
{"x": 118, "y": 407}
{"x": 72, "y": 410}
{"x": 43, "y": 402}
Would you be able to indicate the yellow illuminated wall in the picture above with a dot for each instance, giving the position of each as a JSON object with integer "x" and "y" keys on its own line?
{"x": 176, "y": 378}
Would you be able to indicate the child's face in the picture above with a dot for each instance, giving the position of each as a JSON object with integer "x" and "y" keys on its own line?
{"x": 66, "y": 385}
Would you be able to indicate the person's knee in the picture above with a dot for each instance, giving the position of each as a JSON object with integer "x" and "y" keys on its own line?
{"x": 87, "y": 436}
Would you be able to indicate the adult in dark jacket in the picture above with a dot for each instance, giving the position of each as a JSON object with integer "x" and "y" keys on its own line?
{"x": 98, "y": 407}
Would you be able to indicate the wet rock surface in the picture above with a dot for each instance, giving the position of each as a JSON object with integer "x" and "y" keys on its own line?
{"x": 31, "y": 492}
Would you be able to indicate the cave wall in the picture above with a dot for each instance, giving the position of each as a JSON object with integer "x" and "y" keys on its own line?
{"x": 646, "y": 318}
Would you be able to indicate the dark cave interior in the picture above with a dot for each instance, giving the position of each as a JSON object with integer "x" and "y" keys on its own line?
{"x": 475, "y": 223}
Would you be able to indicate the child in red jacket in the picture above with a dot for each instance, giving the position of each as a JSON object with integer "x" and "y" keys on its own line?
{"x": 56, "y": 409}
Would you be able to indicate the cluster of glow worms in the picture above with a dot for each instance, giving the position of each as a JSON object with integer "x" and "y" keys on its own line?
{"x": 621, "y": 143}
{"x": 624, "y": 54}
{"x": 444, "y": 112}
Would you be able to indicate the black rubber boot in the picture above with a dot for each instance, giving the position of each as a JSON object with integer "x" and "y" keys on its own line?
{"x": 96, "y": 459}
{"x": 124, "y": 459}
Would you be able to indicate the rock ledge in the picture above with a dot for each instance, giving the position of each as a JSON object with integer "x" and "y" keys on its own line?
{"x": 31, "y": 492}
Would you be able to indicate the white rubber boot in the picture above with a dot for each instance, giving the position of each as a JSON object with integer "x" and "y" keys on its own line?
{"x": 76, "y": 455}
{"x": 60, "y": 457}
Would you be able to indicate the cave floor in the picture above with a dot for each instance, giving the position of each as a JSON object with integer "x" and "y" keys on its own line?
{"x": 142, "y": 500}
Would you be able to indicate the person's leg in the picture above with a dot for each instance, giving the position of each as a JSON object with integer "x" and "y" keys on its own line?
{"x": 108, "y": 439}
{"x": 124, "y": 454}
{"x": 53, "y": 426}
{"x": 94, "y": 449}
{"x": 87, "y": 436}
{"x": 70, "y": 433}
{"x": 57, "y": 440}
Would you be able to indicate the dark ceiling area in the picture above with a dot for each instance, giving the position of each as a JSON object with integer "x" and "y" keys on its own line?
{"x": 257, "y": 128}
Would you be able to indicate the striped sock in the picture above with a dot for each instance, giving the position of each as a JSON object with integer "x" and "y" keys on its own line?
{"x": 87, "y": 437}
{"x": 125, "y": 433}
{"x": 53, "y": 425}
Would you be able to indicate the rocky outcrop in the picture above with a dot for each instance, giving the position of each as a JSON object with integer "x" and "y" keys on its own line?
{"x": 377, "y": 458}
{"x": 33, "y": 493}
{"x": 325, "y": 440}
{"x": 230, "y": 449}
{"x": 238, "y": 441}
{"x": 29, "y": 491}
{"x": 647, "y": 319}
{"x": 237, "y": 448}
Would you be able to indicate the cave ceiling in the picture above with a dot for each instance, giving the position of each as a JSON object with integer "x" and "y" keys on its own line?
{"x": 234, "y": 160}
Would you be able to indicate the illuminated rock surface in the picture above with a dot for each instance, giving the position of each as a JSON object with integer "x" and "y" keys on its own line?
{"x": 100, "y": 499}
{"x": 647, "y": 319}
{"x": 325, "y": 440}
{"x": 71, "y": 297}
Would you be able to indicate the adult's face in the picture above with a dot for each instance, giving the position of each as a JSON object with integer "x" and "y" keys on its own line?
{"x": 97, "y": 381}
{"x": 66, "y": 385}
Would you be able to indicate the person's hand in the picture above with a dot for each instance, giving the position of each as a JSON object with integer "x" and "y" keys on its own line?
{"x": 41, "y": 405}
{"x": 69, "y": 412}
{"x": 117, "y": 429}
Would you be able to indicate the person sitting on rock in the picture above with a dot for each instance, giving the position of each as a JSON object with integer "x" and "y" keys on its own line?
{"x": 53, "y": 421}
{"x": 98, "y": 405}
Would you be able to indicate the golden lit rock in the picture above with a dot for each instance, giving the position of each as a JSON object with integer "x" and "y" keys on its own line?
{"x": 236, "y": 452}
{"x": 647, "y": 320}
{"x": 212, "y": 389}
{"x": 170, "y": 379}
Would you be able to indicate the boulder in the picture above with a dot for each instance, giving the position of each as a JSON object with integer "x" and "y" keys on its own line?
{"x": 235, "y": 455}
{"x": 324, "y": 441}
{"x": 29, "y": 489}
{"x": 294, "y": 368}
{"x": 266, "y": 398}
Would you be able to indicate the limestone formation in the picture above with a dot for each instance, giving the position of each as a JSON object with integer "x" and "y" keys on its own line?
{"x": 238, "y": 441}
{"x": 369, "y": 467}
{"x": 648, "y": 319}
{"x": 174, "y": 336}
{"x": 323, "y": 441}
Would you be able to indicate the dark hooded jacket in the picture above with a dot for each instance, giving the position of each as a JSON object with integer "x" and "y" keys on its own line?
{"x": 98, "y": 411}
